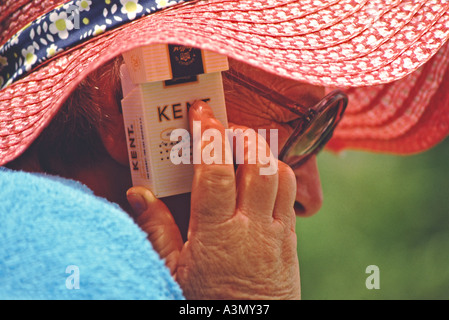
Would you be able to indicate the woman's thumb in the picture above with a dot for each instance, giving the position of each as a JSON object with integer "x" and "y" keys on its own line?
{"x": 153, "y": 217}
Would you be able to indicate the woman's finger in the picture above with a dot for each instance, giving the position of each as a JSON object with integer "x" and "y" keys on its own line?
{"x": 257, "y": 176}
{"x": 213, "y": 189}
{"x": 155, "y": 219}
{"x": 285, "y": 199}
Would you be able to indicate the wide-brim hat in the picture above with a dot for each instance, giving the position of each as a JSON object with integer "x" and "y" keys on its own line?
{"x": 390, "y": 55}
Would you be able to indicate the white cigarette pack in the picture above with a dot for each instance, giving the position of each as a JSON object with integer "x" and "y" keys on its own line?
{"x": 160, "y": 83}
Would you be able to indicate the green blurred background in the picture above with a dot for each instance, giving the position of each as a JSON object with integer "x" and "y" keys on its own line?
{"x": 383, "y": 210}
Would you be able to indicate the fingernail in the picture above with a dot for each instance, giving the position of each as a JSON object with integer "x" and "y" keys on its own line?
{"x": 137, "y": 202}
{"x": 203, "y": 109}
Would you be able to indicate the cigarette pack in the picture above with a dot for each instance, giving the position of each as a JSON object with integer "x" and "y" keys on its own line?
{"x": 160, "y": 83}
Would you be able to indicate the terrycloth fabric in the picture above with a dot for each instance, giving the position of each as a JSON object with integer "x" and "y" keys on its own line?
{"x": 55, "y": 234}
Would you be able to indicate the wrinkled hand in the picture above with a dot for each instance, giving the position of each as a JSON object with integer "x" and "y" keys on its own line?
{"x": 241, "y": 241}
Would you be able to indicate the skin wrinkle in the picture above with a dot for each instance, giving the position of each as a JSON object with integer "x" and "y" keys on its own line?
{"x": 284, "y": 120}
{"x": 241, "y": 114}
{"x": 293, "y": 89}
{"x": 275, "y": 117}
{"x": 239, "y": 93}
{"x": 273, "y": 112}
{"x": 244, "y": 281}
{"x": 241, "y": 279}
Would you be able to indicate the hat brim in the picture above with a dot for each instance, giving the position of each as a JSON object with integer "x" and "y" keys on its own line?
{"x": 328, "y": 43}
{"x": 406, "y": 116}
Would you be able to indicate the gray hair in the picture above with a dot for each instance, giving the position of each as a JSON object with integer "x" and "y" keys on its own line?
{"x": 72, "y": 137}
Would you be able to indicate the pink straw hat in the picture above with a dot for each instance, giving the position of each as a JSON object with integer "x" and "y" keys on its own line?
{"x": 390, "y": 56}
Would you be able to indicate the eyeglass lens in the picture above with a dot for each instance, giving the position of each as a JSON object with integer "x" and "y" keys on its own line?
{"x": 310, "y": 138}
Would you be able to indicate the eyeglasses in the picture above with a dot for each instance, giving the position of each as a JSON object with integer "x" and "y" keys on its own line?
{"x": 317, "y": 123}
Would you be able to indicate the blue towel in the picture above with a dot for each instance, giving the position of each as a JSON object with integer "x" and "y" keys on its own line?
{"x": 58, "y": 241}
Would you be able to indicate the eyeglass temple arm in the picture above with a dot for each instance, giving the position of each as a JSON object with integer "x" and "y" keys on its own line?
{"x": 265, "y": 92}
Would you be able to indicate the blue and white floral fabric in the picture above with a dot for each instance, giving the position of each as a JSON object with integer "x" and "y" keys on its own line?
{"x": 66, "y": 26}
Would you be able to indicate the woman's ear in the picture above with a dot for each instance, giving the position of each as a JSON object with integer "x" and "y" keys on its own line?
{"x": 112, "y": 129}
{"x": 113, "y": 137}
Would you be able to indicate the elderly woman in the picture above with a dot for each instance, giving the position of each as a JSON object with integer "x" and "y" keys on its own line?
{"x": 61, "y": 116}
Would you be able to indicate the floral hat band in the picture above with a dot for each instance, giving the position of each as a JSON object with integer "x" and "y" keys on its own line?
{"x": 65, "y": 27}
